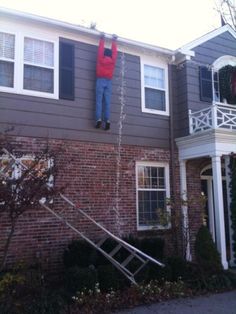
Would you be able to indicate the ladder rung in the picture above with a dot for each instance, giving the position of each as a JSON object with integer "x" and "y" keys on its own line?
{"x": 127, "y": 260}
{"x": 115, "y": 250}
{"x": 100, "y": 243}
{"x": 138, "y": 270}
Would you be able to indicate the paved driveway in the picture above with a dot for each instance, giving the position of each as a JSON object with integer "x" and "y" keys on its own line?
{"x": 223, "y": 303}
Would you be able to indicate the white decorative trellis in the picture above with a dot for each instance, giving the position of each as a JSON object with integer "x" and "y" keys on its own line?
{"x": 218, "y": 115}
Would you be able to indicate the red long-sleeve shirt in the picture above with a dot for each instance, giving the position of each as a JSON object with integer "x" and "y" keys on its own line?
{"x": 106, "y": 65}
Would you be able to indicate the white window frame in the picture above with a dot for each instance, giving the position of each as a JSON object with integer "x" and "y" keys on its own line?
{"x": 17, "y": 167}
{"x": 151, "y": 61}
{"x": 19, "y": 64}
{"x": 6, "y": 88}
{"x": 164, "y": 165}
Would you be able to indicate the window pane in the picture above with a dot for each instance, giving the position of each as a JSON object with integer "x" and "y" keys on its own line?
{"x": 38, "y": 52}
{"x": 38, "y": 79}
{"x": 154, "y": 177}
{"x": 205, "y": 73}
{"x": 6, "y": 74}
{"x": 140, "y": 177}
{"x": 148, "y": 207}
{"x": 7, "y": 46}
{"x": 161, "y": 178}
{"x": 207, "y": 89}
{"x": 205, "y": 84}
{"x": 151, "y": 201}
{"x": 154, "y": 99}
{"x": 147, "y": 176}
{"x": 154, "y": 77}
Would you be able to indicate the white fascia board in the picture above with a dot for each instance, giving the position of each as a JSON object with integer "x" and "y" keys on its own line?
{"x": 187, "y": 49}
{"x": 208, "y": 143}
{"x": 81, "y": 29}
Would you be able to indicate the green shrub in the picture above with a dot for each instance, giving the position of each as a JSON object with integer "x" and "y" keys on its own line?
{"x": 46, "y": 302}
{"x": 12, "y": 287}
{"x": 152, "y": 246}
{"x": 207, "y": 255}
{"x": 110, "y": 278}
{"x": 79, "y": 253}
{"x": 80, "y": 279}
{"x": 232, "y": 168}
{"x": 177, "y": 267}
{"x": 107, "y": 246}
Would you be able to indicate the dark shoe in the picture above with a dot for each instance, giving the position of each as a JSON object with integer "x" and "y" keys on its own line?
{"x": 98, "y": 124}
{"x": 107, "y": 126}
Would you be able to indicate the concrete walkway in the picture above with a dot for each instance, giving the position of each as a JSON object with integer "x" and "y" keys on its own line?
{"x": 222, "y": 303}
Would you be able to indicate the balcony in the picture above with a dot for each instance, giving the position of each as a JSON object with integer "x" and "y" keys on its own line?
{"x": 217, "y": 116}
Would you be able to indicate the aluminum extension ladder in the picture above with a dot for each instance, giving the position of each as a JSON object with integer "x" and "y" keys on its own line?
{"x": 67, "y": 217}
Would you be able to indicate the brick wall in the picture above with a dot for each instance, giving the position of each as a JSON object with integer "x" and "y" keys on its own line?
{"x": 196, "y": 204}
{"x": 88, "y": 172}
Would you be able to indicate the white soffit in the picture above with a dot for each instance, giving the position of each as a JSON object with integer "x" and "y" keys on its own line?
{"x": 208, "y": 143}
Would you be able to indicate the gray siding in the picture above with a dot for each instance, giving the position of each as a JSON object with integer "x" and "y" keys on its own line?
{"x": 187, "y": 76}
{"x": 64, "y": 119}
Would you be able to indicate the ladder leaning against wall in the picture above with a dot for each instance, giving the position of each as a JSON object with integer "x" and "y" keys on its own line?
{"x": 67, "y": 217}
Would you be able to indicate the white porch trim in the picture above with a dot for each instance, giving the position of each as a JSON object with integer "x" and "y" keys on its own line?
{"x": 219, "y": 209}
{"x": 213, "y": 143}
{"x": 208, "y": 143}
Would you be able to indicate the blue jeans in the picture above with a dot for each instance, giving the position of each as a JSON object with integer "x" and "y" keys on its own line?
{"x": 103, "y": 92}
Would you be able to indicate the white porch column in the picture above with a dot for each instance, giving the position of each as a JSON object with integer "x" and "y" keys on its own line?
{"x": 183, "y": 191}
{"x": 227, "y": 174}
{"x": 219, "y": 209}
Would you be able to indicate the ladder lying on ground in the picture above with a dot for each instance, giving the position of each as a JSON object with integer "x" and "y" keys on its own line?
{"x": 121, "y": 247}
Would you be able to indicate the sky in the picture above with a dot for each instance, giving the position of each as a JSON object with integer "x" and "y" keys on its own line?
{"x": 168, "y": 24}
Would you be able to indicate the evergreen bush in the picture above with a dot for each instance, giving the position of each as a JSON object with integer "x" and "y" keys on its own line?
{"x": 206, "y": 252}
{"x": 232, "y": 168}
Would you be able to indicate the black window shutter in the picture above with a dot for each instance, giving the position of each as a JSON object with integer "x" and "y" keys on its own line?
{"x": 205, "y": 84}
{"x": 66, "y": 71}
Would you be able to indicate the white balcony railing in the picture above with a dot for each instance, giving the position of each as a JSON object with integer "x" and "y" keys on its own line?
{"x": 218, "y": 115}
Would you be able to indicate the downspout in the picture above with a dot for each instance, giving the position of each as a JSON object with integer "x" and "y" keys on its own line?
{"x": 172, "y": 150}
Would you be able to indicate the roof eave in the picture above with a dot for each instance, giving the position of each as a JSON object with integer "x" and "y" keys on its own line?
{"x": 83, "y": 30}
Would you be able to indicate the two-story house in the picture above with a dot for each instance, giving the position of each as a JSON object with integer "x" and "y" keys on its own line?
{"x": 173, "y": 127}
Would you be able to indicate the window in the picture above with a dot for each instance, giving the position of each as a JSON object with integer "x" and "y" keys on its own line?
{"x": 152, "y": 183}
{"x": 29, "y": 64}
{"x": 13, "y": 169}
{"x": 154, "y": 89}
{"x": 38, "y": 65}
{"x": 18, "y": 181}
{"x": 223, "y": 81}
{"x": 205, "y": 84}
{"x": 7, "y": 59}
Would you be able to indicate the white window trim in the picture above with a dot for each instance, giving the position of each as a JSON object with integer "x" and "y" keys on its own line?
{"x": 167, "y": 189}
{"x": 19, "y": 64}
{"x": 159, "y": 64}
{"x": 6, "y": 88}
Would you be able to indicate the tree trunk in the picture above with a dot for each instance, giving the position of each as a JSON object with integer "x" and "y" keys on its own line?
{"x": 8, "y": 242}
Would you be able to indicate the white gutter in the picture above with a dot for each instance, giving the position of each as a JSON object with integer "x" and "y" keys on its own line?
{"x": 81, "y": 29}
